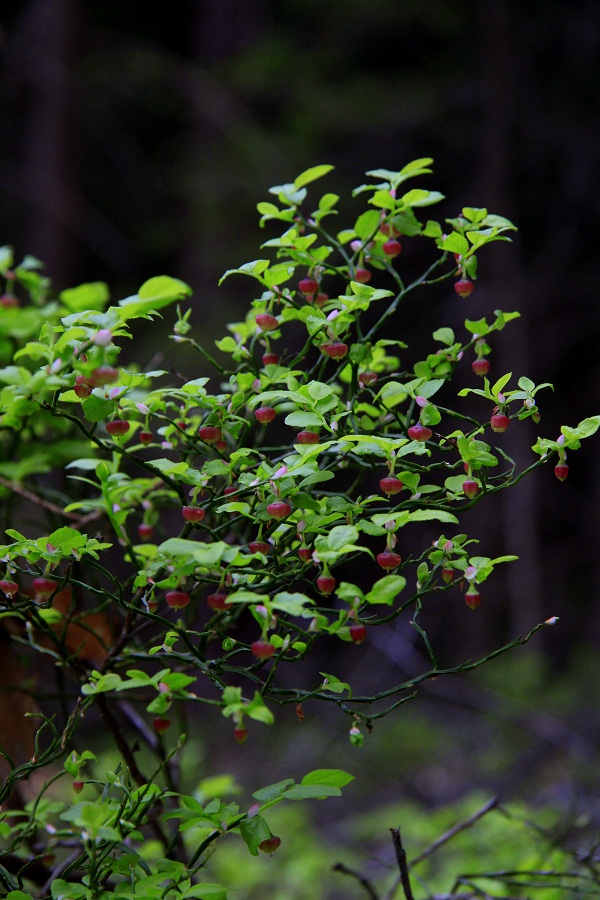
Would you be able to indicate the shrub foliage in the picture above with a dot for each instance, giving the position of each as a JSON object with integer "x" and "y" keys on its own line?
{"x": 186, "y": 541}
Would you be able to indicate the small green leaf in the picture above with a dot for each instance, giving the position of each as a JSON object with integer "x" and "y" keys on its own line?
{"x": 428, "y": 515}
{"x": 254, "y": 268}
{"x": 328, "y": 201}
{"x": 291, "y": 603}
{"x": 386, "y": 589}
{"x": 500, "y": 384}
{"x": 85, "y": 296}
{"x": 430, "y": 415}
{"x": 304, "y": 420}
{"x": 341, "y": 535}
{"x": 367, "y": 224}
{"x": 586, "y": 428}
{"x": 311, "y": 792}
{"x": 178, "y": 547}
{"x": 96, "y": 409}
{"x": 310, "y": 175}
{"x": 336, "y": 777}
{"x": 444, "y": 336}
{"x": 420, "y": 197}
{"x": 268, "y": 209}
{"x": 163, "y": 288}
{"x": 254, "y": 831}
{"x": 333, "y": 684}
{"x": 66, "y": 890}
{"x": 273, "y": 791}
{"x": 455, "y": 243}
{"x": 202, "y": 892}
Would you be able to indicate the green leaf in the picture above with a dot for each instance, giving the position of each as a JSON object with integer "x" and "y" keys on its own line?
{"x": 526, "y": 384}
{"x": 254, "y": 268}
{"x": 287, "y": 193}
{"x": 268, "y": 209}
{"x": 178, "y": 547}
{"x": 383, "y": 200}
{"x": 201, "y": 892}
{"x": 428, "y": 515}
{"x": 153, "y": 295}
{"x": 474, "y": 214}
{"x": 420, "y": 197}
{"x": 258, "y": 711}
{"x": 96, "y": 409}
{"x": 66, "y": 539}
{"x": 341, "y": 535}
{"x": 328, "y": 201}
{"x": 479, "y": 238}
{"x": 333, "y": 684}
{"x": 86, "y": 296}
{"x": 444, "y": 336}
{"x": 273, "y": 791}
{"x": 311, "y": 792}
{"x": 304, "y": 420}
{"x": 6, "y": 257}
{"x": 336, "y": 777}
{"x": 500, "y": 384}
{"x": 414, "y": 168}
{"x": 209, "y": 554}
{"x": 455, "y": 243}
{"x": 278, "y": 274}
{"x": 303, "y": 500}
{"x": 163, "y": 289}
{"x": 246, "y": 597}
{"x": 430, "y": 415}
{"x": 311, "y": 174}
{"x": 292, "y": 603}
{"x": 227, "y": 344}
{"x": 101, "y": 683}
{"x": 384, "y": 174}
{"x": 426, "y": 388}
{"x": 386, "y": 589}
{"x": 235, "y": 506}
{"x": 367, "y": 224}
{"x": 371, "y": 528}
{"x": 586, "y": 428}
{"x": 177, "y": 681}
{"x": 318, "y": 390}
{"x": 254, "y": 831}
{"x": 66, "y": 890}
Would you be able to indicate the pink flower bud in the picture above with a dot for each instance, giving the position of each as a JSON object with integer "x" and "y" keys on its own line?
{"x": 103, "y": 337}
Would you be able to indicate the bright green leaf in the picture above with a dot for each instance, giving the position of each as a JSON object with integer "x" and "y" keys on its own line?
{"x": 310, "y": 175}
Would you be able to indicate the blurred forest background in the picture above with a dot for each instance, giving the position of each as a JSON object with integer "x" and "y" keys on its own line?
{"x": 138, "y": 140}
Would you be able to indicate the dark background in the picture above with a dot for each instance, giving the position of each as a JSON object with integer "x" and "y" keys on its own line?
{"x": 137, "y": 139}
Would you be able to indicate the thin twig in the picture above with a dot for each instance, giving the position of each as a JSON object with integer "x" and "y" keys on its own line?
{"x": 345, "y": 870}
{"x": 16, "y": 488}
{"x": 486, "y": 808}
{"x": 402, "y": 864}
